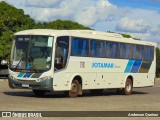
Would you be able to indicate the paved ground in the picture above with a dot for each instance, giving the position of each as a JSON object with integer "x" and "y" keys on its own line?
{"x": 142, "y": 99}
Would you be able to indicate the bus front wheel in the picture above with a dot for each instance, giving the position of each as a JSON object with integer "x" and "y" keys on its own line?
{"x": 128, "y": 87}
{"x": 39, "y": 92}
{"x": 75, "y": 86}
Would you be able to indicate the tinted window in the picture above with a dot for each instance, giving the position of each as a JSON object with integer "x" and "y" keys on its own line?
{"x": 111, "y": 49}
{"x": 149, "y": 53}
{"x": 138, "y": 52}
{"x": 96, "y": 48}
{"x": 125, "y": 51}
{"x": 80, "y": 47}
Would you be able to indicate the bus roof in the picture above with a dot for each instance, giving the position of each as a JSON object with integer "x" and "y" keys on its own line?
{"x": 91, "y": 34}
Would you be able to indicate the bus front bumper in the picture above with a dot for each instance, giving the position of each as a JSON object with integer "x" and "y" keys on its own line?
{"x": 43, "y": 85}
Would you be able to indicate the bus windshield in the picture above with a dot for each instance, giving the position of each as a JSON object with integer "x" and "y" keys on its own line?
{"x": 31, "y": 53}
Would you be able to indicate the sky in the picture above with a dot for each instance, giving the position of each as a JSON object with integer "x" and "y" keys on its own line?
{"x": 139, "y": 18}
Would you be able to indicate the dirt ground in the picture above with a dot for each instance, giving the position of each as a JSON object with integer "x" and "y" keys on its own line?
{"x": 142, "y": 99}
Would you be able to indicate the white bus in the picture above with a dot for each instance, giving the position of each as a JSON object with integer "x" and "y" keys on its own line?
{"x": 47, "y": 60}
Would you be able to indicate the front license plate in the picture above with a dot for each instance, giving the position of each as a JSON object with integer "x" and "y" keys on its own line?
{"x": 25, "y": 85}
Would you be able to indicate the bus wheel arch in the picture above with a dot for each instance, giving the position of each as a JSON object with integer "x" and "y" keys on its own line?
{"x": 131, "y": 78}
{"x": 127, "y": 90}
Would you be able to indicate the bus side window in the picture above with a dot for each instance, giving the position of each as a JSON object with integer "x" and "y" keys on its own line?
{"x": 122, "y": 50}
{"x": 97, "y": 48}
{"x": 128, "y": 51}
{"x": 141, "y": 49}
{"x": 134, "y": 52}
{"x": 125, "y": 51}
{"x": 61, "y": 52}
{"x": 108, "y": 49}
{"x": 149, "y": 53}
{"x": 80, "y": 47}
{"x": 111, "y": 49}
{"x": 115, "y": 50}
{"x": 138, "y": 52}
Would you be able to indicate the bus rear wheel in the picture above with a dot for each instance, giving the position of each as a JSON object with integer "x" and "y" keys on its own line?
{"x": 128, "y": 87}
{"x": 39, "y": 92}
{"x": 75, "y": 87}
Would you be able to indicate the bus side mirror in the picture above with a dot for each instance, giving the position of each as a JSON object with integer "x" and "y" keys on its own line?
{"x": 4, "y": 62}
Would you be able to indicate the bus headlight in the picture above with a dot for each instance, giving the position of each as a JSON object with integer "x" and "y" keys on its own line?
{"x": 12, "y": 78}
{"x": 43, "y": 78}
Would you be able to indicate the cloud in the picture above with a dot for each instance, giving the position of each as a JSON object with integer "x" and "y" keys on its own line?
{"x": 58, "y": 9}
{"x": 101, "y": 11}
{"x": 132, "y": 25}
{"x": 155, "y": 31}
{"x": 85, "y": 12}
{"x": 148, "y": 30}
{"x": 98, "y": 14}
{"x": 41, "y": 3}
{"x": 155, "y": 34}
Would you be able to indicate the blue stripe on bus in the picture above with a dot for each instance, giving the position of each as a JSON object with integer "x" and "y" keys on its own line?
{"x": 129, "y": 66}
{"x": 27, "y": 75}
{"x": 136, "y": 66}
{"x": 20, "y": 75}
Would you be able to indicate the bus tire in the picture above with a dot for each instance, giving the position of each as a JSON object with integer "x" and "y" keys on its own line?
{"x": 128, "y": 87}
{"x": 39, "y": 92}
{"x": 75, "y": 86}
{"x": 97, "y": 91}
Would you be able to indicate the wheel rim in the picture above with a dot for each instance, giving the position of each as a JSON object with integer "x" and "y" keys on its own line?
{"x": 74, "y": 88}
{"x": 128, "y": 87}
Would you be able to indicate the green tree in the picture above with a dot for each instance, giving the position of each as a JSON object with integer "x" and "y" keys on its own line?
{"x": 61, "y": 25}
{"x": 129, "y": 36}
{"x": 12, "y": 20}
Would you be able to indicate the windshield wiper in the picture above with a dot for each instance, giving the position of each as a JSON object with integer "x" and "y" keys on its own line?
{"x": 26, "y": 63}
{"x": 23, "y": 58}
{"x": 18, "y": 64}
